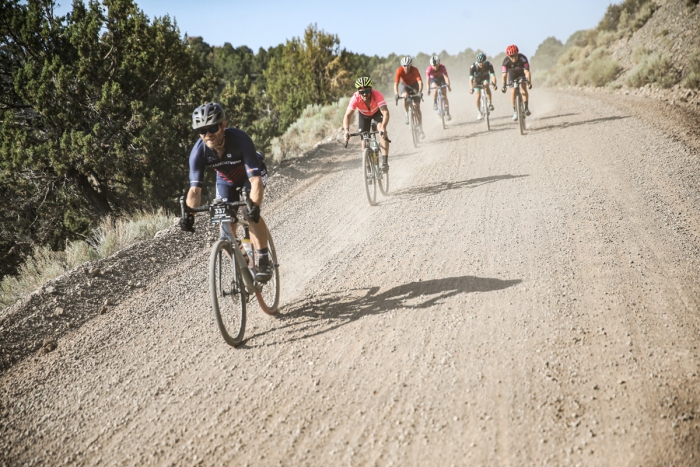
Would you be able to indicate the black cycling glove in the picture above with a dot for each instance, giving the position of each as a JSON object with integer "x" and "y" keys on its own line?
{"x": 253, "y": 214}
{"x": 187, "y": 223}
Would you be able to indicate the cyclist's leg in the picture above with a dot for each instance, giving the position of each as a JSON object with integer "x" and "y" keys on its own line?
{"x": 383, "y": 144}
{"x": 403, "y": 92}
{"x": 444, "y": 97}
{"x": 523, "y": 91}
{"x": 433, "y": 88}
{"x": 477, "y": 93}
{"x": 227, "y": 192}
{"x": 363, "y": 122}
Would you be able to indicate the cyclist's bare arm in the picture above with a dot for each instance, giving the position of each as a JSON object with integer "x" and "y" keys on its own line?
{"x": 385, "y": 119}
{"x": 257, "y": 190}
{"x": 194, "y": 197}
{"x": 346, "y": 122}
{"x": 420, "y": 86}
{"x": 396, "y": 88}
{"x": 527, "y": 75}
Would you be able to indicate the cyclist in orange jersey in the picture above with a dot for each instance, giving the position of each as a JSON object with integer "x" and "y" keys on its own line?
{"x": 409, "y": 78}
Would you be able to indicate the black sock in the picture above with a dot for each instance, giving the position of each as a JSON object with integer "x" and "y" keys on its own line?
{"x": 385, "y": 160}
{"x": 263, "y": 253}
{"x": 526, "y": 105}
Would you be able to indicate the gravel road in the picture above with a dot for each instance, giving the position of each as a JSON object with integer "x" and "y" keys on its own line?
{"x": 516, "y": 300}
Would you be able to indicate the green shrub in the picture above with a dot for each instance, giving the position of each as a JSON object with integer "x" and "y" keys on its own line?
{"x": 692, "y": 77}
{"x": 651, "y": 68}
{"x": 580, "y": 66}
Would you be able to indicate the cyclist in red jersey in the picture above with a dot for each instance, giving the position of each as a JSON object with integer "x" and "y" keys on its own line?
{"x": 410, "y": 80}
{"x": 371, "y": 106}
{"x": 437, "y": 76}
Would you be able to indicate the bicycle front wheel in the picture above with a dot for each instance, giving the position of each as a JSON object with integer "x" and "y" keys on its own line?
{"x": 521, "y": 114}
{"x": 269, "y": 295}
{"x": 487, "y": 112}
{"x": 414, "y": 125}
{"x": 368, "y": 171}
{"x": 442, "y": 112}
{"x": 227, "y": 292}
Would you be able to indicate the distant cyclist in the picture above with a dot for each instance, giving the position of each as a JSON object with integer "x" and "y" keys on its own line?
{"x": 371, "y": 106}
{"x": 480, "y": 71}
{"x": 410, "y": 80}
{"x": 515, "y": 66}
{"x": 436, "y": 75}
{"x": 232, "y": 154}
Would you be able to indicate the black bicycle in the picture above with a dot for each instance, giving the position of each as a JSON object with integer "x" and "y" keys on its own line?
{"x": 232, "y": 269}
{"x": 372, "y": 173}
{"x": 412, "y": 117}
{"x": 519, "y": 105}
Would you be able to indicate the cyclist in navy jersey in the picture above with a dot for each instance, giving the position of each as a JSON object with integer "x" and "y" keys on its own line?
{"x": 481, "y": 71}
{"x": 232, "y": 154}
{"x": 516, "y": 66}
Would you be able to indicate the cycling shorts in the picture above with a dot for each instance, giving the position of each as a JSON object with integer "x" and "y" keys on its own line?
{"x": 403, "y": 87}
{"x": 229, "y": 191}
{"x": 437, "y": 81}
{"x": 513, "y": 75}
{"x": 365, "y": 121}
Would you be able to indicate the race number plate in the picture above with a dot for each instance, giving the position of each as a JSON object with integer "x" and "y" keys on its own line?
{"x": 220, "y": 214}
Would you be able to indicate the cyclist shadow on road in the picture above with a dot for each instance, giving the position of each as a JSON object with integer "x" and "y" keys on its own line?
{"x": 435, "y": 188}
{"x": 585, "y": 122}
{"x": 324, "y": 313}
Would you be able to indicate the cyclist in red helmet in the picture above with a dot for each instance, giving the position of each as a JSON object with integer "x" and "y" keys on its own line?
{"x": 516, "y": 66}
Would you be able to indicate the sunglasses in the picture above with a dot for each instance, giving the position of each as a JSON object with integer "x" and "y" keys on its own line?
{"x": 365, "y": 91}
{"x": 213, "y": 129}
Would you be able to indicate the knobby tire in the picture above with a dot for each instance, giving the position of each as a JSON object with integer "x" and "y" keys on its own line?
{"x": 269, "y": 297}
{"x": 414, "y": 125}
{"x": 227, "y": 293}
{"x": 368, "y": 176}
{"x": 521, "y": 114}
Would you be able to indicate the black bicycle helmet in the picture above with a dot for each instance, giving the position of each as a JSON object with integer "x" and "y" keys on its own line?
{"x": 481, "y": 58}
{"x": 208, "y": 114}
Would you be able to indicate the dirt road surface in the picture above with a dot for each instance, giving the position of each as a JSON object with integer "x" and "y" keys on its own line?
{"x": 516, "y": 300}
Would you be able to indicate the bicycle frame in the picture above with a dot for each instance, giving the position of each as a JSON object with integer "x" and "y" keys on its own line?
{"x": 519, "y": 102}
{"x": 413, "y": 119}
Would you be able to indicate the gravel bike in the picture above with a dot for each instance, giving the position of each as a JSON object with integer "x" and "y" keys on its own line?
{"x": 232, "y": 267}
{"x": 372, "y": 174}
{"x": 441, "y": 104}
{"x": 484, "y": 102}
{"x": 412, "y": 117}
{"x": 519, "y": 106}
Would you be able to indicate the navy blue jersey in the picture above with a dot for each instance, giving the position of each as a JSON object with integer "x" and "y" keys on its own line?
{"x": 481, "y": 74}
{"x": 516, "y": 67}
{"x": 239, "y": 162}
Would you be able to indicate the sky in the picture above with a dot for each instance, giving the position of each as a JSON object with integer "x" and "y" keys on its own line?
{"x": 380, "y": 28}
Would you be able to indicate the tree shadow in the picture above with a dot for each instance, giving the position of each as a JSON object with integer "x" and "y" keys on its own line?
{"x": 585, "y": 122}
{"x": 327, "y": 312}
{"x": 435, "y": 188}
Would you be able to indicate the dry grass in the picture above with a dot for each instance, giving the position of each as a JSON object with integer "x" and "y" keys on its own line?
{"x": 111, "y": 236}
{"x": 692, "y": 77}
{"x": 316, "y": 123}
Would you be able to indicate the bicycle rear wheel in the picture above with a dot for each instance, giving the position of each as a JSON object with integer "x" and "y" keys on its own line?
{"x": 227, "y": 291}
{"x": 269, "y": 296}
{"x": 382, "y": 180}
{"x": 368, "y": 171}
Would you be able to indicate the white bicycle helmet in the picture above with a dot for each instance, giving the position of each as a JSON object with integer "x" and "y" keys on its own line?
{"x": 406, "y": 61}
{"x": 434, "y": 60}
